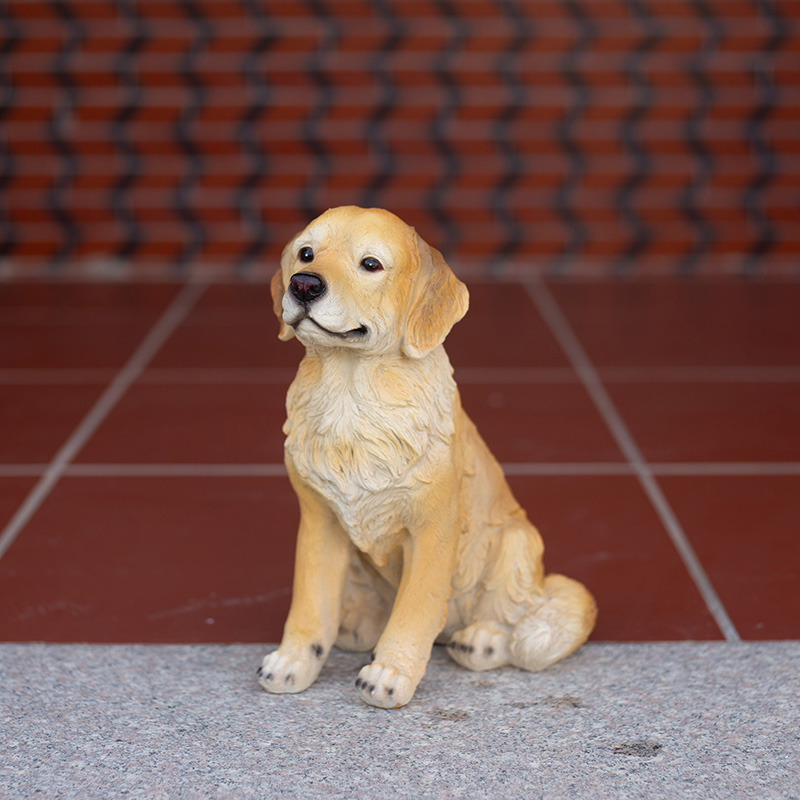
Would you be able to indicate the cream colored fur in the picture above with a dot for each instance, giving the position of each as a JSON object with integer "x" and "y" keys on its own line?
{"x": 408, "y": 532}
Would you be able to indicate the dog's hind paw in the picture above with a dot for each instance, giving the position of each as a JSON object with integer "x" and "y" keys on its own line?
{"x": 360, "y": 629}
{"x": 481, "y": 646}
{"x": 384, "y": 686}
{"x": 290, "y": 670}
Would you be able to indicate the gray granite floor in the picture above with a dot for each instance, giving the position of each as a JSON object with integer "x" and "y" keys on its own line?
{"x": 688, "y": 720}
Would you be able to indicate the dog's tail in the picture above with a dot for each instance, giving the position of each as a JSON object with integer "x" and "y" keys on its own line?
{"x": 556, "y": 628}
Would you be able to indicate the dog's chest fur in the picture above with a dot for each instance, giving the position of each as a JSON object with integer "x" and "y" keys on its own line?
{"x": 365, "y": 432}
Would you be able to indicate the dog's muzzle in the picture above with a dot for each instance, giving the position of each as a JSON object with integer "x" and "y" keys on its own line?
{"x": 306, "y": 287}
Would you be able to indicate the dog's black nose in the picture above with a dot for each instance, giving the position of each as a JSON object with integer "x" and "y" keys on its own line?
{"x": 306, "y": 286}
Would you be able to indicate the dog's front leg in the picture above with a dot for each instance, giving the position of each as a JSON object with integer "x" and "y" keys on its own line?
{"x": 322, "y": 556}
{"x": 417, "y": 618}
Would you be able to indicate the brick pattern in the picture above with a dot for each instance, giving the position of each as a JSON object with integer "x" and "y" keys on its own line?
{"x": 576, "y": 137}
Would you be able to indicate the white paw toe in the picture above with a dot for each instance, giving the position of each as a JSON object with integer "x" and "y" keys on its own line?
{"x": 481, "y": 646}
{"x": 290, "y": 671}
{"x": 384, "y": 686}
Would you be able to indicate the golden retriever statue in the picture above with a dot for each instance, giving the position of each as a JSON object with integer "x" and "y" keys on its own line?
{"x": 409, "y": 533}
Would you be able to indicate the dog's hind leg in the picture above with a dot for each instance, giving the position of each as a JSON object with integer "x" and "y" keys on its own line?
{"x": 365, "y": 610}
{"x": 510, "y": 586}
{"x": 521, "y": 617}
{"x": 558, "y": 624}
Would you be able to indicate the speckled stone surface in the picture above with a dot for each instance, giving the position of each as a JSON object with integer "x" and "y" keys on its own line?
{"x": 688, "y": 720}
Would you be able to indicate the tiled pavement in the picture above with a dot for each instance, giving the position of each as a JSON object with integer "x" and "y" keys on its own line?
{"x": 651, "y": 430}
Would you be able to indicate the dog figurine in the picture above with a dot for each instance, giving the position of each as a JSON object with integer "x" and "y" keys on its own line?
{"x": 409, "y": 533}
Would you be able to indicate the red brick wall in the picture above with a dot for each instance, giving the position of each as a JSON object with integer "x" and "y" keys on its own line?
{"x": 573, "y": 136}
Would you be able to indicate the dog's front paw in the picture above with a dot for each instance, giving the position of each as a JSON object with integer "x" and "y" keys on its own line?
{"x": 291, "y": 669}
{"x": 384, "y": 686}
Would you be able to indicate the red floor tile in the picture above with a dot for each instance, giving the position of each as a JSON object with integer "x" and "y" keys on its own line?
{"x": 238, "y": 296}
{"x": 502, "y": 329}
{"x": 76, "y": 325}
{"x": 235, "y": 327}
{"x": 604, "y": 532}
{"x": 226, "y": 339}
{"x": 190, "y": 423}
{"x": 745, "y": 532}
{"x": 13, "y": 492}
{"x": 152, "y": 560}
{"x": 539, "y": 422}
{"x": 670, "y": 323}
{"x": 54, "y": 296}
{"x": 35, "y": 421}
{"x": 712, "y": 421}
{"x": 77, "y": 345}
{"x": 209, "y": 559}
{"x": 232, "y": 326}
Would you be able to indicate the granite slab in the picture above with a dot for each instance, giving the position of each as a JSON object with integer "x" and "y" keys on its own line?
{"x": 660, "y": 720}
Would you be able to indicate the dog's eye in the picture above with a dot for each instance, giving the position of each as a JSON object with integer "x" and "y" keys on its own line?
{"x": 371, "y": 264}
{"x": 306, "y": 254}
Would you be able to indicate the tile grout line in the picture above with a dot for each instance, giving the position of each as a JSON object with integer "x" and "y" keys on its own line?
{"x": 264, "y": 470}
{"x": 726, "y": 469}
{"x": 513, "y": 468}
{"x": 159, "y": 333}
{"x": 467, "y": 375}
{"x": 561, "y": 329}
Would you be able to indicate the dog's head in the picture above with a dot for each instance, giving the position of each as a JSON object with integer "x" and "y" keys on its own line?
{"x": 363, "y": 279}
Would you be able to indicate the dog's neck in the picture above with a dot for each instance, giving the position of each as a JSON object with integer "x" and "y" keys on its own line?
{"x": 351, "y": 370}
{"x": 344, "y": 386}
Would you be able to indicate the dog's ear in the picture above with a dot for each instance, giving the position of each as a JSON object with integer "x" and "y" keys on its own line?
{"x": 278, "y": 289}
{"x": 438, "y": 300}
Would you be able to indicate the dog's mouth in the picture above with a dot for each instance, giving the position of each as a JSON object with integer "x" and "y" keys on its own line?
{"x": 353, "y": 333}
